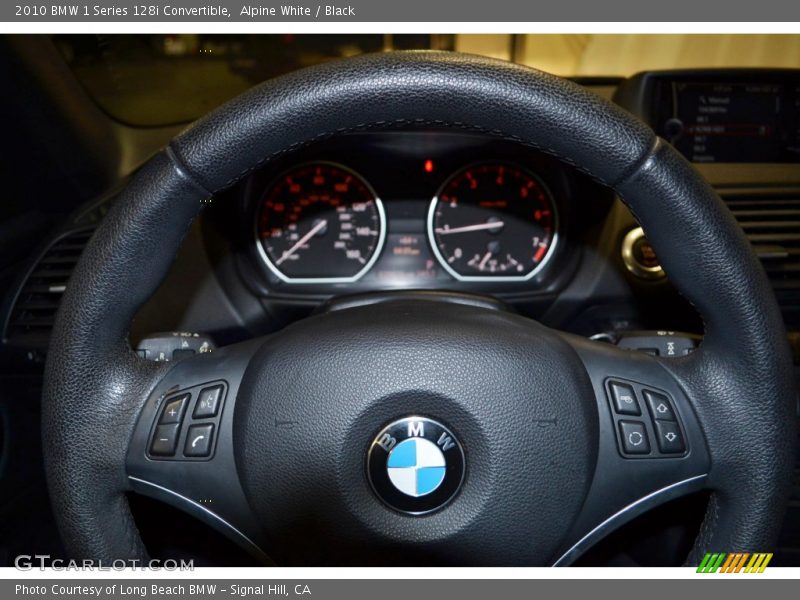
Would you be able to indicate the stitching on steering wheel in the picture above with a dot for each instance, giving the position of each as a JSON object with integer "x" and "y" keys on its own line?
{"x": 405, "y": 123}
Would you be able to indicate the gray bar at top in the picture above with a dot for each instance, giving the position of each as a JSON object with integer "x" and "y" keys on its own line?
{"x": 440, "y": 11}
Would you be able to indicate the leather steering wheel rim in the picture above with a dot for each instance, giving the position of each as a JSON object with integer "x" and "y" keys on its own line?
{"x": 95, "y": 385}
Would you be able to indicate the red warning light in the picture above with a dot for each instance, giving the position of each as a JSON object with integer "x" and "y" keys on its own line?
{"x": 429, "y": 166}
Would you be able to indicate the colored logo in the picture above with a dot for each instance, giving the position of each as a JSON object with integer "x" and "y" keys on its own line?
{"x": 736, "y": 562}
{"x": 415, "y": 465}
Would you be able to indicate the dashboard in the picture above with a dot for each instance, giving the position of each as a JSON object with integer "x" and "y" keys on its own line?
{"x": 462, "y": 212}
{"x": 454, "y": 210}
{"x": 415, "y": 210}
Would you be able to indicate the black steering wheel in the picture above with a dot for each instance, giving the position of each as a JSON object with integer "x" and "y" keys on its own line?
{"x": 545, "y": 441}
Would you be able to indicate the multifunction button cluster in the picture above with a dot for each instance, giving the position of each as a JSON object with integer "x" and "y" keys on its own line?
{"x": 645, "y": 420}
{"x": 187, "y": 423}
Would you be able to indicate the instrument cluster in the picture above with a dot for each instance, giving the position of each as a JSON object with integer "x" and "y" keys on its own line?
{"x": 322, "y": 222}
{"x": 404, "y": 210}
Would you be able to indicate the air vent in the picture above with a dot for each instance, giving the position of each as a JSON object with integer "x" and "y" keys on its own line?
{"x": 35, "y": 307}
{"x": 771, "y": 221}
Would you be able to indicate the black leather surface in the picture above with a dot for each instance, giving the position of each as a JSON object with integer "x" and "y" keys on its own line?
{"x": 511, "y": 390}
{"x": 413, "y": 88}
{"x": 741, "y": 378}
{"x": 92, "y": 383}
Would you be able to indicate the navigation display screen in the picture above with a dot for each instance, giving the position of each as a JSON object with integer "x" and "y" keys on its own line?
{"x": 741, "y": 122}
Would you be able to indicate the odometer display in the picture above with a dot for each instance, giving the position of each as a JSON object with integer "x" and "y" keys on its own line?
{"x": 492, "y": 222}
{"x": 320, "y": 223}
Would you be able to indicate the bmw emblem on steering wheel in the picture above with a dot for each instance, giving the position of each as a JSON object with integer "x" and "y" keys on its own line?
{"x": 415, "y": 465}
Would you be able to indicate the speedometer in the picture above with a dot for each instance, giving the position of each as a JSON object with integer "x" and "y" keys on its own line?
{"x": 320, "y": 223}
{"x": 493, "y": 222}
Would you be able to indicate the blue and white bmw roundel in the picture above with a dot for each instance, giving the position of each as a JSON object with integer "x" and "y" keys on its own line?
{"x": 415, "y": 465}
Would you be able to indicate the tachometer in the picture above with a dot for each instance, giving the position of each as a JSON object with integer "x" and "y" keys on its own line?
{"x": 320, "y": 223}
{"x": 492, "y": 222}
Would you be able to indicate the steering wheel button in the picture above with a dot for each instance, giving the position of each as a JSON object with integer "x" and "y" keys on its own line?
{"x": 165, "y": 440}
{"x": 624, "y": 399}
{"x": 660, "y": 406}
{"x": 208, "y": 402}
{"x": 173, "y": 410}
{"x": 670, "y": 438}
{"x": 634, "y": 437}
{"x": 198, "y": 441}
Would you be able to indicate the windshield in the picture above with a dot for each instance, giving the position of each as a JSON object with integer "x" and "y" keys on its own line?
{"x": 157, "y": 80}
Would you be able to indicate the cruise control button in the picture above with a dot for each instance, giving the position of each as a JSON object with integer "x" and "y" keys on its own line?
{"x": 634, "y": 437}
{"x": 624, "y": 399}
{"x": 198, "y": 440}
{"x": 173, "y": 410}
{"x": 660, "y": 406}
{"x": 165, "y": 440}
{"x": 208, "y": 402}
{"x": 670, "y": 439}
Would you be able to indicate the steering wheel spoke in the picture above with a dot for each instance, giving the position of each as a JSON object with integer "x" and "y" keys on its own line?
{"x": 651, "y": 444}
{"x": 181, "y": 451}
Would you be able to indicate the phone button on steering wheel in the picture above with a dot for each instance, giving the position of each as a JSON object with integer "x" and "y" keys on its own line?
{"x": 198, "y": 440}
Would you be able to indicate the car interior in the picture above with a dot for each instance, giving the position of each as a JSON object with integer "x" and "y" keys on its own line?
{"x": 238, "y": 271}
